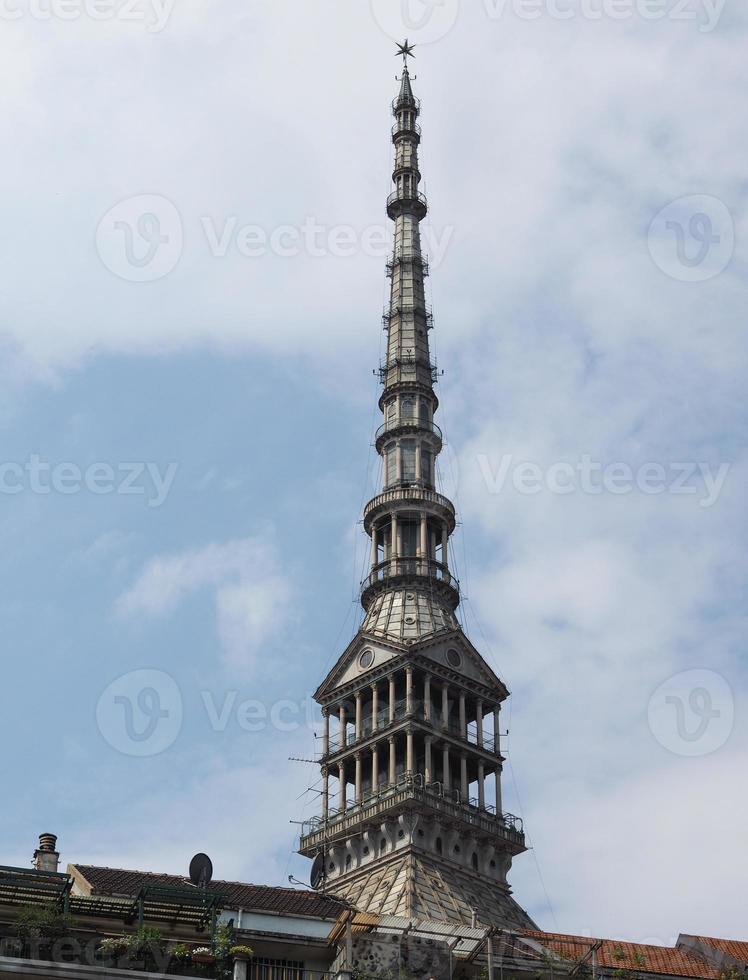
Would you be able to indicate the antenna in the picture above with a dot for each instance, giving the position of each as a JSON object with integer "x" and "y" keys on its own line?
{"x": 201, "y": 871}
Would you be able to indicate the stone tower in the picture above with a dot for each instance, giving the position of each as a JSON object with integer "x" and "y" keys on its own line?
{"x": 412, "y": 822}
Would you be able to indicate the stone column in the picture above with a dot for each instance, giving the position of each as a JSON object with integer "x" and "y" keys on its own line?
{"x": 341, "y": 788}
{"x": 479, "y": 721}
{"x": 325, "y": 792}
{"x": 343, "y": 739}
{"x": 447, "y": 780}
{"x": 445, "y": 704}
{"x": 499, "y": 802}
{"x": 409, "y": 753}
{"x": 418, "y": 460}
{"x": 445, "y": 547}
{"x": 374, "y": 552}
{"x": 464, "y": 786}
{"x": 398, "y": 462}
{"x": 427, "y": 775}
{"x": 358, "y": 777}
{"x": 393, "y": 544}
{"x": 463, "y": 717}
{"x": 374, "y": 769}
{"x": 392, "y": 698}
{"x": 358, "y": 716}
{"x": 409, "y": 690}
{"x": 496, "y": 727}
{"x": 481, "y": 785}
{"x": 427, "y": 697}
{"x": 325, "y": 731}
{"x": 393, "y": 761}
{"x": 374, "y": 706}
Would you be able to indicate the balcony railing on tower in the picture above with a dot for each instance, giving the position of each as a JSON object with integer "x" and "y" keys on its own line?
{"x": 412, "y": 786}
{"x": 407, "y": 202}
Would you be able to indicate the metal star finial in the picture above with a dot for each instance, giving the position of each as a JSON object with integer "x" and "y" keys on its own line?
{"x": 406, "y": 50}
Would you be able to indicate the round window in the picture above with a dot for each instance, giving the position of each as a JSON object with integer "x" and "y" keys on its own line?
{"x": 366, "y": 659}
{"x": 454, "y": 658}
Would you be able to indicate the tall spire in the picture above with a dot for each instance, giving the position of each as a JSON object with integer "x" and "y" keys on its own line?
{"x": 409, "y": 523}
{"x": 416, "y": 708}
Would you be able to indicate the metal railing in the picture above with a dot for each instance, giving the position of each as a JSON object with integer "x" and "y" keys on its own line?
{"x": 409, "y": 197}
{"x": 418, "y": 494}
{"x": 382, "y": 721}
{"x": 408, "y": 787}
{"x": 410, "y": 362}
{"x": 403, "y": 422}
{"x": 490, "y": 741}
{"x": 405, "y": 103}
{"x": 413, "y": 130}
{"x": 410, "y": 567}
{"x": 408, "y": 255}
{"x": 408, "y": 309}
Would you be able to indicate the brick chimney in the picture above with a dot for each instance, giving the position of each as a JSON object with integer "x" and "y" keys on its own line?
{"x": 46, "y": 856}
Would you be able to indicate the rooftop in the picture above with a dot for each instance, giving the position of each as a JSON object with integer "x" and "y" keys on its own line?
{"x": 235, "y": 894}
{"x": 614, "y": 955}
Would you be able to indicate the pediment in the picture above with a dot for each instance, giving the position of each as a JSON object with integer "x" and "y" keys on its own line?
{"x": 452, "y": 655}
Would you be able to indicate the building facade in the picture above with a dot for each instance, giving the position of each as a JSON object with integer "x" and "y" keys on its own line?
{"x": 412, "y": 822}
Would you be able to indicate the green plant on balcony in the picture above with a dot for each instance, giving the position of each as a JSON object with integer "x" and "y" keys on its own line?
{"x": 40, "y": 926}
{"x": 241, "y": 952}
{"x": 147, "y": 947}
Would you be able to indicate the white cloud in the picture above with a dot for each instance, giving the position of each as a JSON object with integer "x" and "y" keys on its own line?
{"x": 250, "y": 592}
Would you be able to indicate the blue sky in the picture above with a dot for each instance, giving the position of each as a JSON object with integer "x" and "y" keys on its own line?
{"x": 560, "y": 155}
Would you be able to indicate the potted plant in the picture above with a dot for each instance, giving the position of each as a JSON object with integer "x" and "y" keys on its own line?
{"x": 203, "y": 954}
{"x": 240, "y": 952}
{"x": 113, "y": 946}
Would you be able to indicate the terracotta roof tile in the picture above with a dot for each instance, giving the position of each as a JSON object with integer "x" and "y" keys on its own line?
{"x": 735, "y": 948}
{"x": 237, "y": 895}
{"x": 614, "y": 955}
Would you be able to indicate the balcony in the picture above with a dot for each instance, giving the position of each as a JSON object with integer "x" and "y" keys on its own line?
{"x": 404, "y": 496}
{"x": 408, "y": 256}
{"x": 411, "y": 309}
{"x": 413, "y": 132}
{"x": 408, "y": 790}
{"x": 378, "y": 724}
{"x": 410, "y": 103}
{"x": 401, "y": 571}
{"x": 405, "y": 369}
{"x": 407, "y": 203}
{"x": 406, "y": 426}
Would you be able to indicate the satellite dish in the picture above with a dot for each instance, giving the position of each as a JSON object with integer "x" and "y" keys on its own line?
{"x": 317, "y": 875}
{"x": 201, "y": 870}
